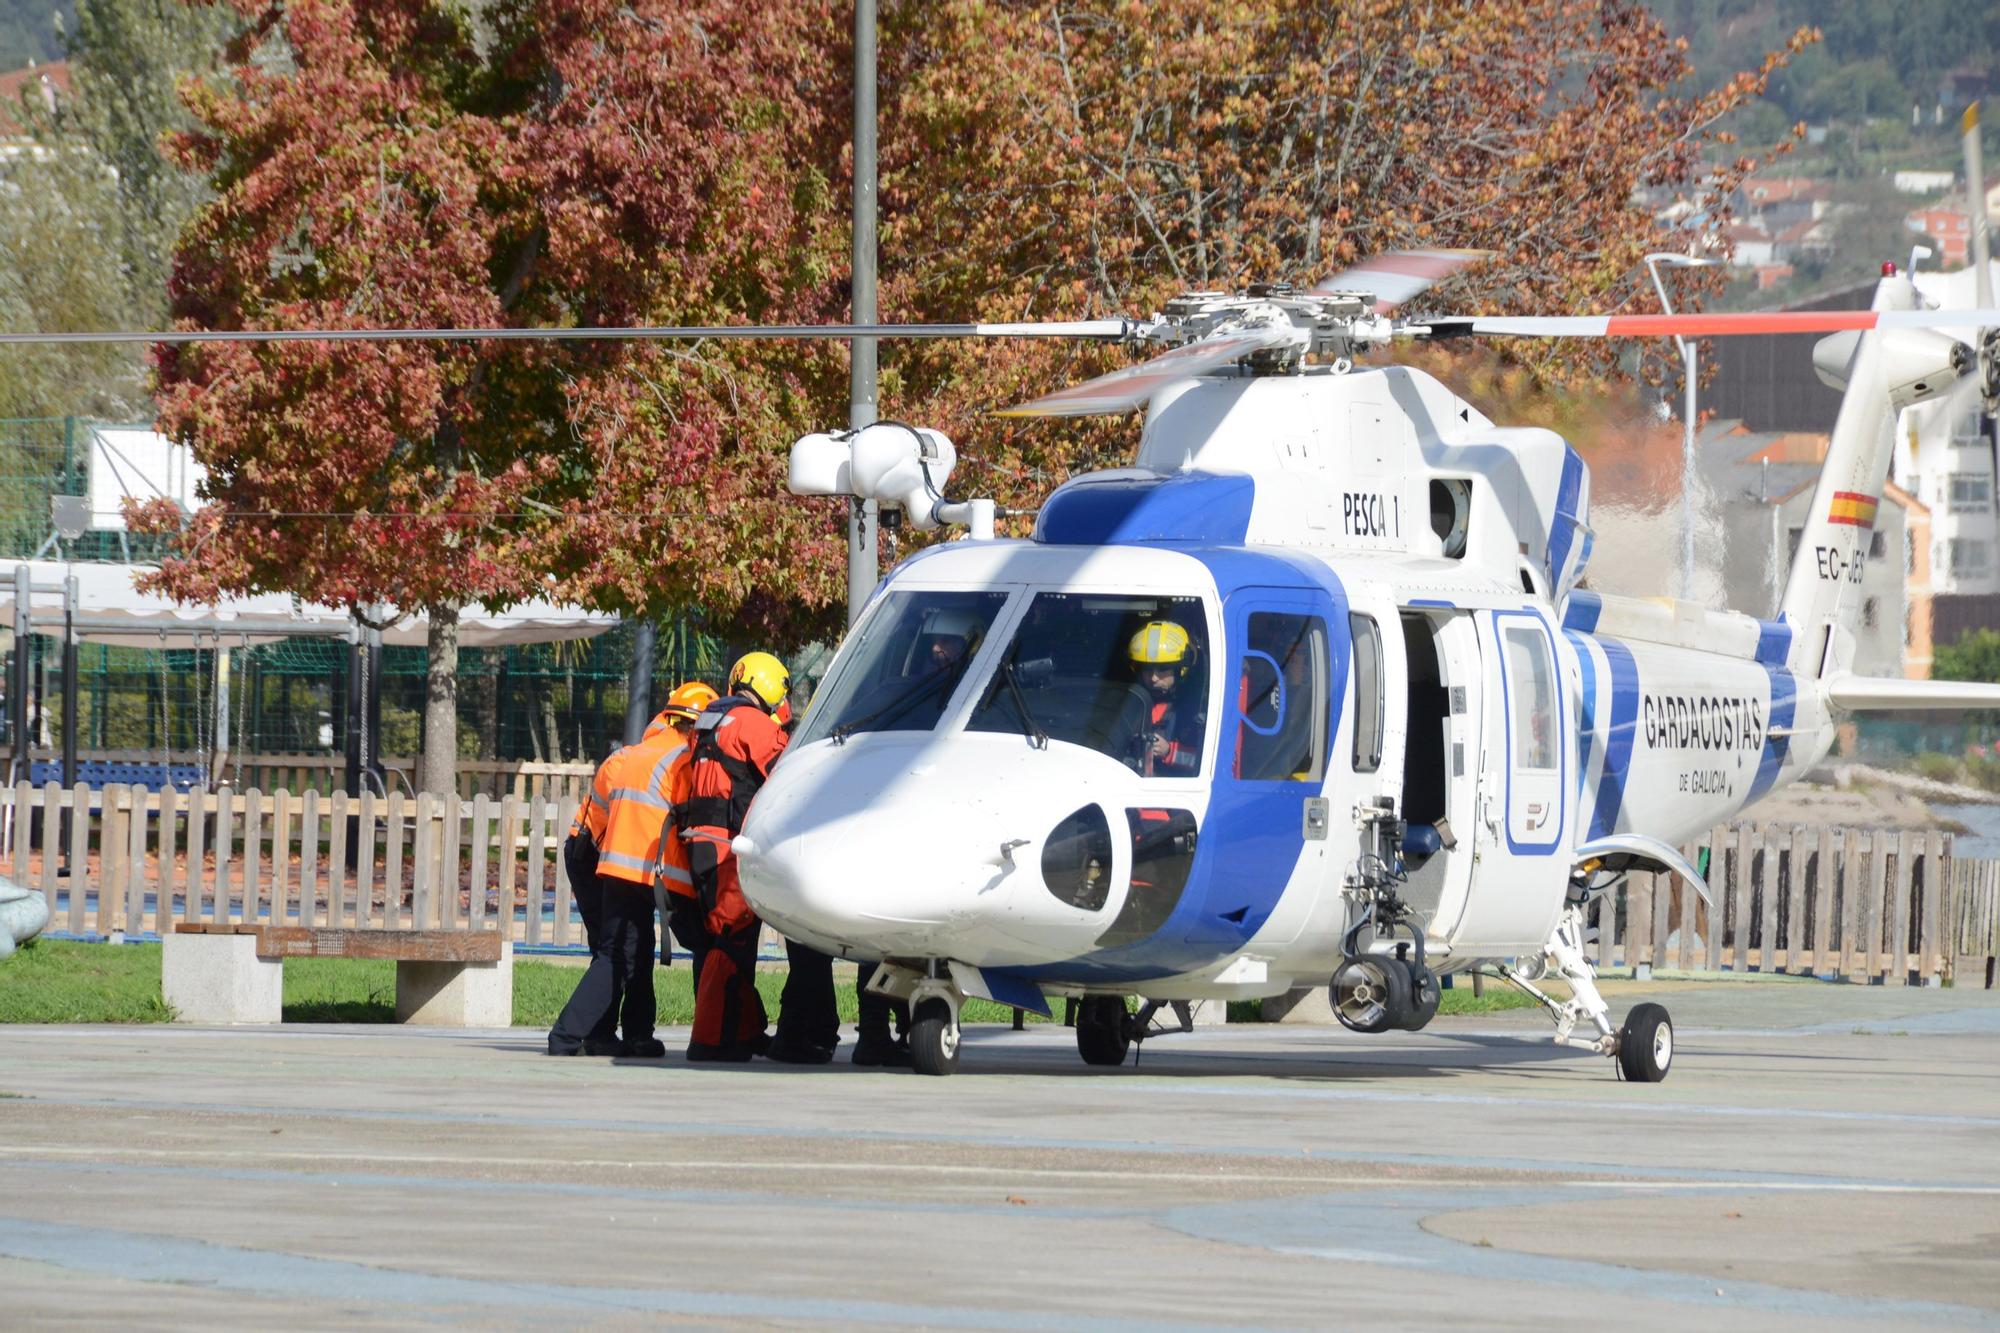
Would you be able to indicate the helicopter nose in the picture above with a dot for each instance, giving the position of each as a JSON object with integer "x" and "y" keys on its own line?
{"x": 835, "y": 887}
{"x": 879, "y": 850}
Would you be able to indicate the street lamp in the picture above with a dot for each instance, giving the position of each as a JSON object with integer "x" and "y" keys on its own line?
{"x": 1654, "y": 262}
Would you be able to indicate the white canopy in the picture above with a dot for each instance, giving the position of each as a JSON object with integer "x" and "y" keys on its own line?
{"x": 105, "y": 594}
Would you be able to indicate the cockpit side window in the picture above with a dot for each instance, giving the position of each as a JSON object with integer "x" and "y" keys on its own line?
{"x": 904, "y": 663}
{"x": 1282, "y": 700}
{"x": 1126, "y": 676}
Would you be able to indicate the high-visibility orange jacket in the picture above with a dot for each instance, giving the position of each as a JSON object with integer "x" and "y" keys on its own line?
{"x": 674, "y": 873}
{"x": 629, "y": 805}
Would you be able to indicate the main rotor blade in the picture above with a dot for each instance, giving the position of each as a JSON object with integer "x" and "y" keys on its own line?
{"x": 1112, "y": 329}
{"x": 1123, "y": 390}
{"x": 1399, "y": 276}
{"x": 1701, "y": 325}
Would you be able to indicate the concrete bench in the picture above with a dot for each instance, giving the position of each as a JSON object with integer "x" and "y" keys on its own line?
{"x": 216, "y": 973}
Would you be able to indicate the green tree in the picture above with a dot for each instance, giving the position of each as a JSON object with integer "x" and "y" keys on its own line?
{"x": 1975, "y": 656}
{"x": 60, "y": 271}
{"x": 128, "y": 62}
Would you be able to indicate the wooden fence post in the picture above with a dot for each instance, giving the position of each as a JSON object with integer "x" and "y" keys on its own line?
{"x": 135, "y": 871}
{"x": 253, "y": 855}
{"x": 448, "y": 859}
{"x": 423, "y": 892}
{"x": 79, "y": 863}
{"x": 565, "y": 816}
{"x": 309, "y": 858}
{"x": 392, "y": 860}
{"x": 480, "y": 833}
{"x": 52, "y": 795}
{"x": 22, "y": 826}
{"x": 225, "y": 847}
{"x": 1930, "y": 929}
{"x": 537, "y": 811}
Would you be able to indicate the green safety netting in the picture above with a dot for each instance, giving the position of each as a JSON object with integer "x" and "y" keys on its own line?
{"x": 45, "y": 456}
{"x": 553, "y": 702}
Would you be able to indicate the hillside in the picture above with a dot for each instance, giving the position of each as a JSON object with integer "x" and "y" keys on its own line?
{"x": 28, "y": 32}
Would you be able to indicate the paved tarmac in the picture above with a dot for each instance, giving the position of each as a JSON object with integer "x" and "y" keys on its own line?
{"x": 1820, "y": 1152}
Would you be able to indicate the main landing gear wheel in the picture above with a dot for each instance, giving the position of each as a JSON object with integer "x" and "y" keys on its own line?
{"x": 1369, "y": 994}
{"x": 1646, "y": 1044}
{"x": 1103, "y": 1030}
{"x": 934, "y": 1038}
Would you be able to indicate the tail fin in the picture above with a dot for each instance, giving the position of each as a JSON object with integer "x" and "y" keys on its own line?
{"x": 1881, "y": 371}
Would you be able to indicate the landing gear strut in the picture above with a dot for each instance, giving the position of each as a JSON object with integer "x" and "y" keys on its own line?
{"x": 1106, "y": 1033}
{"x": 1643, "y": 1047}
{"x": 934, "y": 1003}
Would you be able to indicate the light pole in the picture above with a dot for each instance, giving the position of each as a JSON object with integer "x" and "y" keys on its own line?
{"x": 863, "y": 562}
{"x": 1688, "y": 350}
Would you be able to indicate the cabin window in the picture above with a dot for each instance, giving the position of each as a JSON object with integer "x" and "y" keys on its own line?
{"x": 1281, "y": 696}
{"x": 903, "y": 664}
{"x": 1531, "y": 699}
{"x": 1368, "y": 700}
{"x": 1127, "y": 677}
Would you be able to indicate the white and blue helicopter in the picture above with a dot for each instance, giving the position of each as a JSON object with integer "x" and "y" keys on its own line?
{"x": 1407, "y": 741}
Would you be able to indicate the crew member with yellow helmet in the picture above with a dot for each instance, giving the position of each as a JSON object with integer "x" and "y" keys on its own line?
{"x": 610, "y": 855}
{"x": 1168, "y": 743}
{"x": 736, "y": 741}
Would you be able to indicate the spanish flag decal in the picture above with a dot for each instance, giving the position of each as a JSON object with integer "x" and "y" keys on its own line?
{"x": 1854, "y": 508}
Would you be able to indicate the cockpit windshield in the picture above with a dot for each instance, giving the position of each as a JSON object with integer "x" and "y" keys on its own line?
{"x": 905, "y": 663}
{"x": 1125, "y": 676}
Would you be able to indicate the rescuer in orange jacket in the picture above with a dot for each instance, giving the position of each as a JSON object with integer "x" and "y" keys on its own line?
{"x": 610, "y": 855}
{"x": 673, "y": 881}
{"x": 736, "y": 740}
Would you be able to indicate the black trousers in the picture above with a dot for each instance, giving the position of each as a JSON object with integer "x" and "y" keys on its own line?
{"x": 689, "y": 925}
{"x": 618, "y": 984}
{"x": 806, "y": 1010}
{"x": 876, "y": 1010}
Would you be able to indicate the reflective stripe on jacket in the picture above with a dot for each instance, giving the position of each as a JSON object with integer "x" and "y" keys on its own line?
{"x": 671, "y": 870}
{"x": 637, "y": 807}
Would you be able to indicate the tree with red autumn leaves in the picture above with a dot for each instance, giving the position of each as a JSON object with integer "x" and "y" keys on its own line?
{"x": 550, "y": 163}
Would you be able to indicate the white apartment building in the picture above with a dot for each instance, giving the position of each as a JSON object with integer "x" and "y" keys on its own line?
{"x": 1944, "y": 457}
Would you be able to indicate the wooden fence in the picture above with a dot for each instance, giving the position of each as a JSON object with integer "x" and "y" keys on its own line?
{"x": 1883, "y": 905}
{"x": 1861, "y": 904}
{"x": 150, "y": 859}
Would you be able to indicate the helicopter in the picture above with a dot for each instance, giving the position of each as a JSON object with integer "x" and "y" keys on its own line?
{"x": 1408, "y": 740}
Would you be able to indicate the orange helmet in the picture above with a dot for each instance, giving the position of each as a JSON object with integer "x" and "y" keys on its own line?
{"x": 687, "y": 700}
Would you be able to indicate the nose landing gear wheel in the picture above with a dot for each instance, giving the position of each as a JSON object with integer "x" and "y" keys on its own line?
{"x": 1646, "y": 1044}
{"x": 934, "y": 1038}
{"x": 1370, "y": 994}
{"x": 1103, "y": 1030}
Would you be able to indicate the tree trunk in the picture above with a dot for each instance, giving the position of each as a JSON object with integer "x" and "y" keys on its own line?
{"x": 439, "y": 771}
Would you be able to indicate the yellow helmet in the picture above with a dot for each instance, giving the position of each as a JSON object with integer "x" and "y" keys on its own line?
{"x": 765, "y": 675}
{"x": 1159, "y": 643}
{"x": 688, "y": 699}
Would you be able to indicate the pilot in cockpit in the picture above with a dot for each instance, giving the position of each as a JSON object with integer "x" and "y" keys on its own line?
{"x": 945, "y": 641}
{"x": 1168, "y": 743}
